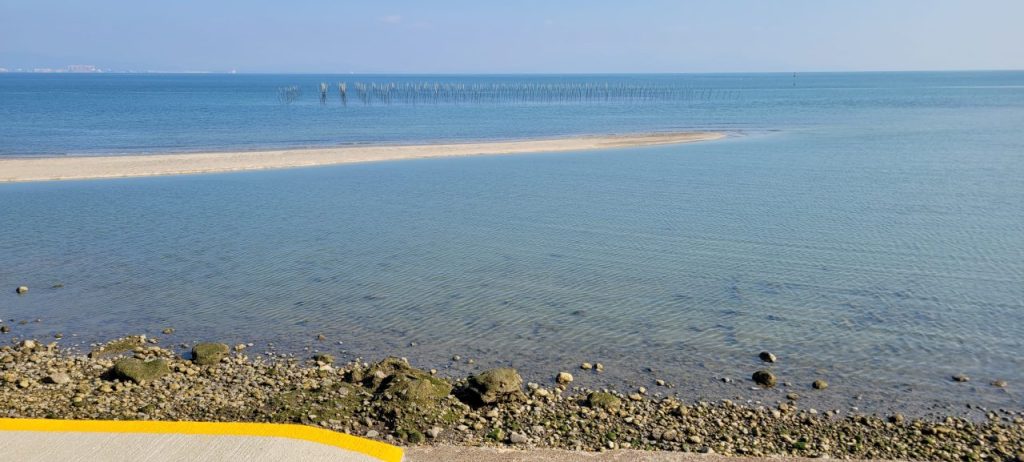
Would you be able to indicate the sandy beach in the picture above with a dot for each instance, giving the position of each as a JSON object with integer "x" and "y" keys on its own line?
{"x": 120, "y": 166}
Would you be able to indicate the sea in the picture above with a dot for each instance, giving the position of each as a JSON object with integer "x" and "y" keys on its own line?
{"x": 866, "y": 228}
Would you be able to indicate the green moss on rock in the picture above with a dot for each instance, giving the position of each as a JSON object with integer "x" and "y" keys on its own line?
{"x": 140, "y": 371}
{"x": 602, "y": 400}
{"x": 209, "y": 353}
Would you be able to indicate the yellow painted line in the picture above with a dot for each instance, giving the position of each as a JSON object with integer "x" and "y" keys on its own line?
{"x": 383, "y": 451}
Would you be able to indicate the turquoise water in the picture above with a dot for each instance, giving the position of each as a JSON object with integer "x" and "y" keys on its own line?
{"x": 866, "y": 228}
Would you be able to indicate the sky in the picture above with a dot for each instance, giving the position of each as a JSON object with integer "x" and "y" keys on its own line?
{"x": 521, "y": 36}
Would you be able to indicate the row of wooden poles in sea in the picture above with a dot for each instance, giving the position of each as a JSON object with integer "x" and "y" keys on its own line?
{"x": 369, "y": 93}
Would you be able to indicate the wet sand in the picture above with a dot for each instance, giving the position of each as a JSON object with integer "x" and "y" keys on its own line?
{"x": 120, "y": 166}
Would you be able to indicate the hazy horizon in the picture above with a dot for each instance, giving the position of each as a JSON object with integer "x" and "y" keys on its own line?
{"x": 460, "y": 37}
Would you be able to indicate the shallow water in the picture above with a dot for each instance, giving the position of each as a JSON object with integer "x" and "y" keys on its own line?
{"x": 868, "y": 231}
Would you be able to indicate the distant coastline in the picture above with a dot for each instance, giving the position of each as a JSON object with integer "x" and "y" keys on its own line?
{"x": 124, "y": 166}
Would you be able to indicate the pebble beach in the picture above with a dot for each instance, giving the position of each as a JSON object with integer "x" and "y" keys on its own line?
{"x": 136, "y": 377}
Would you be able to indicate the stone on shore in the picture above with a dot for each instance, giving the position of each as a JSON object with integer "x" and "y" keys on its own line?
{"x": 59, "y": 378}
{"x": 140, "y": 371}
{"x": 602, "y": 400}
{"x": 21, "y": 290}
{"x": 209, "y": 353}
{"x": 564, "y": 378}
{"x": 764, "y": 378}
{"x": 767, "y": 357}
{"x": 820, "y": 384}
{"x": 961, "y": 378}
{"x": 494, "y": 386}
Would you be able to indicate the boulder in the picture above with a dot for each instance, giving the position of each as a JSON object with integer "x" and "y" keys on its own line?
{"x": 764, "y": 378}
{"x": 139, "y": 371}
{"x": 602, "y": 400}
{"x": 493, "y": 386}
{"x": 209, "y": 353}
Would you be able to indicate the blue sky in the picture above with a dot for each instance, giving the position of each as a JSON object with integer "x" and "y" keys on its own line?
{"x": 513, "y": 36}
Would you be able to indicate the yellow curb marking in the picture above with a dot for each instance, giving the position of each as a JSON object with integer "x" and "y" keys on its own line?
{"x": 384, "y": 452}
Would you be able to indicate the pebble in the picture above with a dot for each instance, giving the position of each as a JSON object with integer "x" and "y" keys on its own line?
{"x": 659, "y": 382}
{"x": 21, "y": 290}
{"x": 564, "y": 378}
{"x": 999, "y": 383}
{"x": 59, "y": 378}
{"x": 767, "y": 357}
{"x": 792, "y": 396}
{"x": 961, "y": 378}
{"x": 372, "y": 434}
{"x": 518, "y": 438}
{"x": 168, "y": 331}
{"x": 586, "y": 366}
{"x": 434, "y": 432}
{"x": 819, "y": 385}
{"x": 599, "y": 367}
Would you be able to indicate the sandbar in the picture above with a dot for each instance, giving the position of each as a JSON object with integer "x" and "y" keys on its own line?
{"x": 18, "y": 169}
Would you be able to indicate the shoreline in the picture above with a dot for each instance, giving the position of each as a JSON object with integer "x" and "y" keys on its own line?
{"x": 29, "y": 169}
{"x": 135, "y": 378}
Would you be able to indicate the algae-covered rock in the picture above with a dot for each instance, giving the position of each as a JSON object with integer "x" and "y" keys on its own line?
{"x": 494, "y": 386}
{"x": 121, "y": 345}
{"x": 602, "y": 400}
{"x": 140, "y": 371}
{"x": 209, "y": 353}
{"x": 764, "y": 378}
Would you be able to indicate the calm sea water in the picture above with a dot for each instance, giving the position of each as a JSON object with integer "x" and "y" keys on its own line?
{"x": 866, "y": 228}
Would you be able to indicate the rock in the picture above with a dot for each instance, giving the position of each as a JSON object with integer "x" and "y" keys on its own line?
{"x": 240, "y": 347}
{"x": 209, "y": 353}
{"x": 599, "y": 367}
{"x": 4, "y": 329}
{"x": 412, "y": 436}
{"x": 58, "y": 378}
{"x": 121, "y": 345}
{"x": 564, "y": 378}
{"x": 494, "y": 386}
{"x": 323, "y": 358}
{"x": 29, "y": 345}
{"x": 820, "y": 384}
{"x": 21, "y": 290}
{"x": 669, "y": 435}
{"x": 140, "y": 371}
{"x": 792, "y": 396}
{"x": 961, "y": 378}
{"x": 999, "y": 383}
{"x": 766, "y": 357}
{"x": 694, "y": 439}
{"x": 602, "y": 400}
{"x": 321, "y": 337}
{"x": 764, "y": 378}
{"x": 897, "y": 418}
{"x": 434, "y": 432}
{"x": 168, "y": 331}
{"x": 518, "y": 438}
{"x": 372, "y": 434}
{"x": 586, "y": 366}
{"x": 659, "y": 382}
